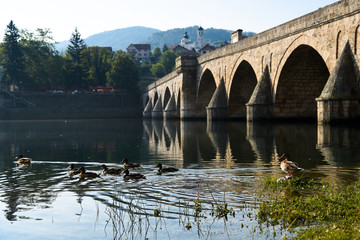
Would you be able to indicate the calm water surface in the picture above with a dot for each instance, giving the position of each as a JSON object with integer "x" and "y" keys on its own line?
{"x": 219, "y": 162}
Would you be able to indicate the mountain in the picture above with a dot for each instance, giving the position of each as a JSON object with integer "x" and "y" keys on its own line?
{"x": 117, "y": 39}
{"x": 122, "y": 38}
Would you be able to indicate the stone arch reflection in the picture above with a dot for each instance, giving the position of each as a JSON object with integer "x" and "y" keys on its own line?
{"x": 261, "y": 139}
{"x": 163, "y": 139}
{"x": 324, "y": 151}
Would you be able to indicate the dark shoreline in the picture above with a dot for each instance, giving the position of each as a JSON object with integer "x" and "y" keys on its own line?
{"x": 71, "y": 106}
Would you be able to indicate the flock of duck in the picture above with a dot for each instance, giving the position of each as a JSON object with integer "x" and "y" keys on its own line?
{"x": 84, "y": 174}
{"x": 288, "y": 166}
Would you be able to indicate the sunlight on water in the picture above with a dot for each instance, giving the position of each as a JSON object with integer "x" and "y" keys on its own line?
{"x": 218, "y": 164}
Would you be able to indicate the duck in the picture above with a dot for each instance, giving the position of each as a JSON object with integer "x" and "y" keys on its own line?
{"x": 22, "y": 160}
{"x": 73, "y": 171}
{"x": 113, "y": 171}
{"x": 128, "y": 175}
{"x": 162, "y": 169}
{"x": 289, "y": 167}
{"x": 127, "y": 165}
{"x": 84, "y": 174}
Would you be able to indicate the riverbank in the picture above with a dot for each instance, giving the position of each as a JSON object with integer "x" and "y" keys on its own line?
{"x": 42, "y": 106}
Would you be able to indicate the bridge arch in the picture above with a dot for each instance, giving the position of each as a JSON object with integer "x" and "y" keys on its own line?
{"x": 206, "y": 89}
{"x": 146, "y": 100}
{"x": 166, "y": 98}
{"x": 242, "y": 86}
{"x": 301, "y": 80}
{"x": 156, "y": 97}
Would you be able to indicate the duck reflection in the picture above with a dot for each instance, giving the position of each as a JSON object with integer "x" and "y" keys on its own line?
{"x": 327, "y": 152}
{"x": 26, "y": 185}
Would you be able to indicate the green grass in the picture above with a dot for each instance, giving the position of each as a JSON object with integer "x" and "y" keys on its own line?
{"x": 324, "y": 212}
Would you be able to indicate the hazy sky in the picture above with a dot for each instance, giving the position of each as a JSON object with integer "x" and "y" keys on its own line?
{"x": 94, "y": 16}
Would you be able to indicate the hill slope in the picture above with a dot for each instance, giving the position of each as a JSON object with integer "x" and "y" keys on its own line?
{"x": 117, "y": 39}
{"x": 122, "y": 38}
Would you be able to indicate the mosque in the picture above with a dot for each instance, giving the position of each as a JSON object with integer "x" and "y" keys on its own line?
{"x": 193, "y": 48}
{"x": 198, "y": 45}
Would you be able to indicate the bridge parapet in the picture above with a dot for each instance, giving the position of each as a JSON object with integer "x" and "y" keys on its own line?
{"x": 279, "y": 73}
{"x": 185, "y": 63}
{"x": 322, "y": 16}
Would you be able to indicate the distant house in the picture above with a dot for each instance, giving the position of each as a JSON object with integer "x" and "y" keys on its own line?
{"x": 108, "y": 48}
{"x": 206, "y": 49}
{"x": 220, "y": 44}
{"x": 140, "y": 51}
{"x": 179, "y": 48}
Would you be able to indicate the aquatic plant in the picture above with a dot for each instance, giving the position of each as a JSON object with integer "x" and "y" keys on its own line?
{"x": 157, "y": 212}
{"x": 325, "y": 214}
{"x": 297, "y": 183}
{"x": 197, "y": 207}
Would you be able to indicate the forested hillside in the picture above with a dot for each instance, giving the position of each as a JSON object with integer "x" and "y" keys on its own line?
{"x": 122, "y": 38}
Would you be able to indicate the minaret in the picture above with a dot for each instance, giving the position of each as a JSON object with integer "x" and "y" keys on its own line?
{"x": 200, "y": 39}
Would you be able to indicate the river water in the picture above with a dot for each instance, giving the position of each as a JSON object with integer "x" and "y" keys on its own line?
{"x": 219, "y": 162}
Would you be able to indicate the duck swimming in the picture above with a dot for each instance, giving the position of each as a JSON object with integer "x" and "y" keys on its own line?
{"x": 129, "y": 165}
{"x": 113, "y": 171}
{"x": 84, "y": 174}
{"x": 73, "y": 171}
{"x": 128, "y": 175}
{"x": 22, "y": 160}
{"x": 162, "y": 169}
{"x": 289, "y": 167}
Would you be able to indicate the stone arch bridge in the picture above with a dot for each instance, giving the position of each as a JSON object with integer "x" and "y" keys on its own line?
{"x": 305, "y": 68}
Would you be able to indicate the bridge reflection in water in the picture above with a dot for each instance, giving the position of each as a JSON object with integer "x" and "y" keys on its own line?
{"x": 330, "y": 153}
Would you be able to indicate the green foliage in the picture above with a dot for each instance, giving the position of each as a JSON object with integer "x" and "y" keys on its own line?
{"x": 165, "y": 48}
{"x": 222, "y": 211}
{"x": 156, "y": 55}
{"x": 123, "y": 74}
{"x": 43, "y": 65}
{"x": 76, "y": 46}
{"x": 331, "y": 214}
{"x": 74, "y": 66}
{"x": 144, "y": 69}
{"x": 294, "y": 184}
{"x": 168, "y": 60}
{"x": 157, "y": 212}
{"x": 158, "y": 70}
{"x": 97, "y": 61}
{"x": 197, "y": 207}
{"x": 12, "y": 57}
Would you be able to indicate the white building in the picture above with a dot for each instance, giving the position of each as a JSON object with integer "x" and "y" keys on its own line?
{"x": 188, "y": 44}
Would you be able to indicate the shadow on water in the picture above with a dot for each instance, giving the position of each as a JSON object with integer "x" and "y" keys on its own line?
{"x": 220, "y": 161}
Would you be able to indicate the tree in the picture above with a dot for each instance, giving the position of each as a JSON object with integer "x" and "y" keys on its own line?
{"x": 165, "y": 48}
{"x": 168, "y": 60}
{"x": 43, "y": 64}
{"x": 97, "y": 61}
{"x": 156, "y": 55}
{"x": 144, "y": 68}
{"x": 12, "y": 57}
{"x": 158, "y": 70}
{"x": 123, "y": 74}
{"x": 76, "y": 71}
